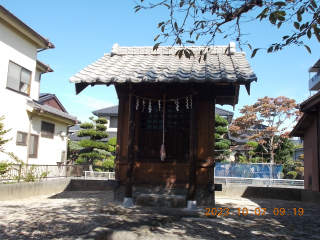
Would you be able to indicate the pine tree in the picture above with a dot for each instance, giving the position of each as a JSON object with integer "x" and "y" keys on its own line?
{"x": 221, "y": 144}
{"x": 97, "y": 151}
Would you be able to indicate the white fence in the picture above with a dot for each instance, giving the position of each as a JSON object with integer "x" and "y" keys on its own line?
{"x": 260, "y": 182}
{"x": 99, "y": 175}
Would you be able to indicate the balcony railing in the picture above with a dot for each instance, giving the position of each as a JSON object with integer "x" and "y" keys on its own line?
{"x": 314, "y": 82}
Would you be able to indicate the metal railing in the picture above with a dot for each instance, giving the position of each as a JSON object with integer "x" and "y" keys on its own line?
{"x": 260, "y": 182}
{"x": 99, "y": 175}
{"x": 23, "y": 172}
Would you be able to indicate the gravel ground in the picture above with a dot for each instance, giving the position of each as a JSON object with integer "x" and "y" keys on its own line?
{"x": 251, "y": 226}
{"x": 68, "y": 215}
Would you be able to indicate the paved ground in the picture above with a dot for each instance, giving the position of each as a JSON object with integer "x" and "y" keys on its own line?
{"x": 69, "y": 215}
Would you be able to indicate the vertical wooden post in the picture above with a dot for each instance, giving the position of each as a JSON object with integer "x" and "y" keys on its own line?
{"x": 193, "y": 153}
{"x": 119, "y": 138}
{"x": 129, "y": 174}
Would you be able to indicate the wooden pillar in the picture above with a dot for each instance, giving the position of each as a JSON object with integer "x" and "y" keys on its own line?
{"x": 129, "y": 173}
{"x": 119, "y": 139}
{"x": 193, "y": 149}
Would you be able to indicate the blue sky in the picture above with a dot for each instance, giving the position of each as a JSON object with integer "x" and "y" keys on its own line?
{"x": 82, "y": 31}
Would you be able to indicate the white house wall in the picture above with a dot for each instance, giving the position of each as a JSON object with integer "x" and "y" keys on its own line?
{"x": 109, "y": 129}
{"x": 18, "y": 49}
{"x": 49, "y": 149}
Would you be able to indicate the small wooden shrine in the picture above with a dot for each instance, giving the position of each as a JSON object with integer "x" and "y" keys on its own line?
{"x": 166, "y": 120}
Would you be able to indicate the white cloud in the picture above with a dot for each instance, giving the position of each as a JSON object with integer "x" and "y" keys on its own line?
{"x": 86, "y": 102}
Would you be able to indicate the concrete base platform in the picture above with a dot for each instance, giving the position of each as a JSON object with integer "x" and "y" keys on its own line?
{"x": 161, "y": 200}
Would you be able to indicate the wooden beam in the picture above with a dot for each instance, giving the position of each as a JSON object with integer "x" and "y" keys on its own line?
{"x": 129, "y": 173}
{"x": 193, "y": 149}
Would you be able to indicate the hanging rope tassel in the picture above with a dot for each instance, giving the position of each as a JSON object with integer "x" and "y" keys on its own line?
{"x": 162, "y": 149}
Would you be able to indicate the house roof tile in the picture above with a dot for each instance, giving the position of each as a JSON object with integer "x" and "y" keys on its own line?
{"x": 142, "y": 64}
{"x": 109, "y": 111}
{"x": 39, "y": 105}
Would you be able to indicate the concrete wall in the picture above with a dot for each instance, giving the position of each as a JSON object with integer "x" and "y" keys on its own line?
{"x": 26, "y": 190}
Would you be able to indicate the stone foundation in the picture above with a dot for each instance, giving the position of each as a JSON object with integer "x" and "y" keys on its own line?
{"x": 204, "y": 197}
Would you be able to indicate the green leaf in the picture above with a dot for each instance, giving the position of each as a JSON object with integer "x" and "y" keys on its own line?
{"x": 186, "y": 53}
{"x": 199, "y": 60}
{"x": 270, "y": 49}
{"x": 309, "y": 50}
{"x": 202, "y": 26}
{"x": 197, "y": 36}
{"x": 280, "y": 4}
{"x": 189, "y": 41}
{"x": 273, "y": 18}
{"x": 205, "y": 56}
{"x": 299, "y": 16}
{"x": 296, "y": 25}
{"x": 264, "y": 11}
{"x": 177, "y": 52}
{"x": 180, "y": 54}
{"x": 162, "y": 28}
{"x": 155, "y": 39}
{"x": 313, "y": 3}
{"x": 176, "y": 26}
{"x": 137, "y": 10}
{"x": 285, "y": 37}
{"x": 254, "y": 52}
{"x": 311, "y": 8}
{"x": 279, "y": 24}
{"x": 250, "y": 46}
{"x": 280, "y": 18}
{"x": 178, "y": 41}
{"x": 309, "y": 33}
{"x": 225, "y": 36}
{"x": 317, "y": 35}
{"x": 218, "y": 29}
{"x": 155, "y": 47}
{"x": 137, "y": 6}
{"x": 160, "y": 24}
{"x": 181, "y": 3}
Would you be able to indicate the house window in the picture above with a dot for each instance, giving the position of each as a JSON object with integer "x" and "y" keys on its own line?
{"x": 18, "y": 78}
{"x": 47, "y": 129}
{"x": 33, "y": 146}
{"x": 113, "y": 122}
{"x": 22, "y": 138}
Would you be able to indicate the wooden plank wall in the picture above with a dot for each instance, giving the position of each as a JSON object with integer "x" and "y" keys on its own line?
{"x": 162, "y": 172}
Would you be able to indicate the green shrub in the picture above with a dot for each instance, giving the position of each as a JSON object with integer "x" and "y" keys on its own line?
{"x": 111, "y": 148}
{"x": 298, "y": 164}
{"x": 222, "y": 144}
{"x": 243, "y": 159}
{"x": 98, "y": 164}
{"x": 300, "y": 172}
{"x": 4, "y": 167}
{"x": 251, "y": 144}
{"x": 292, "y": 175}
{"x": 301, "y": 157}
{"x": 108, "y": 165}
{"x": 87, "y": 125}
{"x": 112, "y": 141}
{"x": 101, "y": 121}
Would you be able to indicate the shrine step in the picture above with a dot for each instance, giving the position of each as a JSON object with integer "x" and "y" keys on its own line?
{"x": 161, "y": 200}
